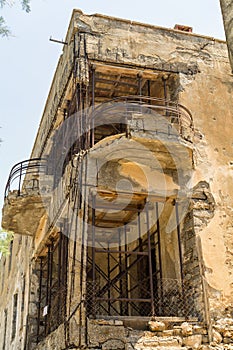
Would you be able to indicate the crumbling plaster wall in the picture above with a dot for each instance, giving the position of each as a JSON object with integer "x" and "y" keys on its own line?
{"x": 208, "y": 96}
{"x": 205, "y": 89}
{"x": 15, "y": 271}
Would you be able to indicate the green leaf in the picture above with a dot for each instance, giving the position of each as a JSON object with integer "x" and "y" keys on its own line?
{"x": 26, "y": 5}
{"x": 4, "y": 30}
{"x": 5, "y": 239}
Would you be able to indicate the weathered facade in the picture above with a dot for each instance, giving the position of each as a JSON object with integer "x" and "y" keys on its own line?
{"x": 123, "y": 215}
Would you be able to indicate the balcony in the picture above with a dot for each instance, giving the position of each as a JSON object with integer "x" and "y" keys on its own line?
{"x": 129, "y": 133}
{"x": 161, "y": 117}
{"x": 23, "y": 204}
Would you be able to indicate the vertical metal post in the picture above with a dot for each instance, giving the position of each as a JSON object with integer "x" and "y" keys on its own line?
{"x": 81, "y": 115}
{"x": 139, "y": 233}
{"x": 160, "y": 290}
{"x": 126, "y": 274}
{"x": 20, "y": 178}
{"x": 149, "y": 89}
{"x": 65, "y": 262}
{"x": 51, "y": 270}
{"x": 180, "y": 253}
{"x": 140, "y": 264}
{"x": 150, "y": 261}
{"x": 47, "y": 288}
{"x": 59, "y": 273}
{"x": 93, "y": 253}
{"x": 120, "y": 268}
{"x": 50, "y": 285}
{"x": 109, "y": 292}
{"x": 93, "y": 108}
{"x": 159, "y": 241}
{"x": 39, "y": 301}
{"x": 139, "y": 75}
{"x": 164, "y": 78}
{"x": 179, "y": 242}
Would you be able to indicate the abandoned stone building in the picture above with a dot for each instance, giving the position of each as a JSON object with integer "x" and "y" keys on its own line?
{"x": 122, "y": 217}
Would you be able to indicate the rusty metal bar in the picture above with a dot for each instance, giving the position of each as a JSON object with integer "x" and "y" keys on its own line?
{"x": 109, "y": 277}
{"x": 116, "y": 207}
{"x": 150, "y": 262}
{"x": 93, "y": 247}
{"x": 149, "y": 88}
{"x": 59, "y": 272}
{"x": 129, "y": 252}
{"x": 39, "y": 300}
{"x": 126, "y": 267}
{"x": 180, "y": 253}
{"x": 164, "y": 78}
{"x": 139, "y": 76}
{"x": 159, "y": 240}
{"x": 160, "y": 290}
{"x": 179, "y": 242}
{"x": 140, "y": 235}
{"x": 20, "y": 178}
{"x": 125, "y": 299}
{"x": 47, "y": 289}
{"x": 50, "y": 286}
{"x": 66, "y": 241}
{"x": 93, "y": 108}
{"x": 120, "y": 266}
{"x": 110, "y": 81}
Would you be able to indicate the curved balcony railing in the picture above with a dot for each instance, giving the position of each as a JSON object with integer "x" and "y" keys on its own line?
{"x": 33, "y": 167}
{"x": 109, "y": 118}
{"x": 120, "y": 109}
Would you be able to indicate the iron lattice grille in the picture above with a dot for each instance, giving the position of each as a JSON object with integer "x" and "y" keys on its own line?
{"x": 52, "y": 291}
{"x": 171, "y": 298}
{"x": 139, "y": 277}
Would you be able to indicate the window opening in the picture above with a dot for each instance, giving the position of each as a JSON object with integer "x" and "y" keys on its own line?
{"x": 140, "y": 277}
{"x": 52, "y": 287}
{"x": 14, "y": 316}
{"x": 5, "y": 329}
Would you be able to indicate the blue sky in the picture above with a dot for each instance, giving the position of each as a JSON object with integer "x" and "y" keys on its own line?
{"x": 28, "y": 59}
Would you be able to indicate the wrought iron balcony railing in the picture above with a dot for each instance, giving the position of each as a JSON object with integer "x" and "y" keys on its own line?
{"x": 30, "y": 167}
{"x": 169, "y": 117}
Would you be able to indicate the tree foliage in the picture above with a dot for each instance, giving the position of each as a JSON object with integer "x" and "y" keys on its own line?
{"x": 4, "y": 29}
{"x": 5, "y": 239}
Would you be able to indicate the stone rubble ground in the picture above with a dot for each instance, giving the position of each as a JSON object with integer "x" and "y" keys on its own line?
{"x": 162, "y": 336}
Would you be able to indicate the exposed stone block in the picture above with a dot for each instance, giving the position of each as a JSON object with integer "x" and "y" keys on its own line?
{"x": 193, "y": 341}
{"x": 113, "y": 344}
{"x": 217, "y": 338}
{"x": 186, "y": 329}
{"x": 103, "y": 333}
{"x": 156, "y": 326}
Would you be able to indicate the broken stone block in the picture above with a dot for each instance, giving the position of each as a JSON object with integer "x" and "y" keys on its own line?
{"x": 227, "y": 334}
{"x": 217, "y": 338}
{"x": 103, "y": 333}
{"x": 177, "y": 331}
{"x": 156, "y": 326}
{"x": 151, "y": 342}
{"x": 186, "y": 329}
{"x": 167, "y": 333}
{"x": 193, "y": 341}
{"x": 227, "y": 340}
{"x": 169, "y": 342}
{"x": 199, "y": 330}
